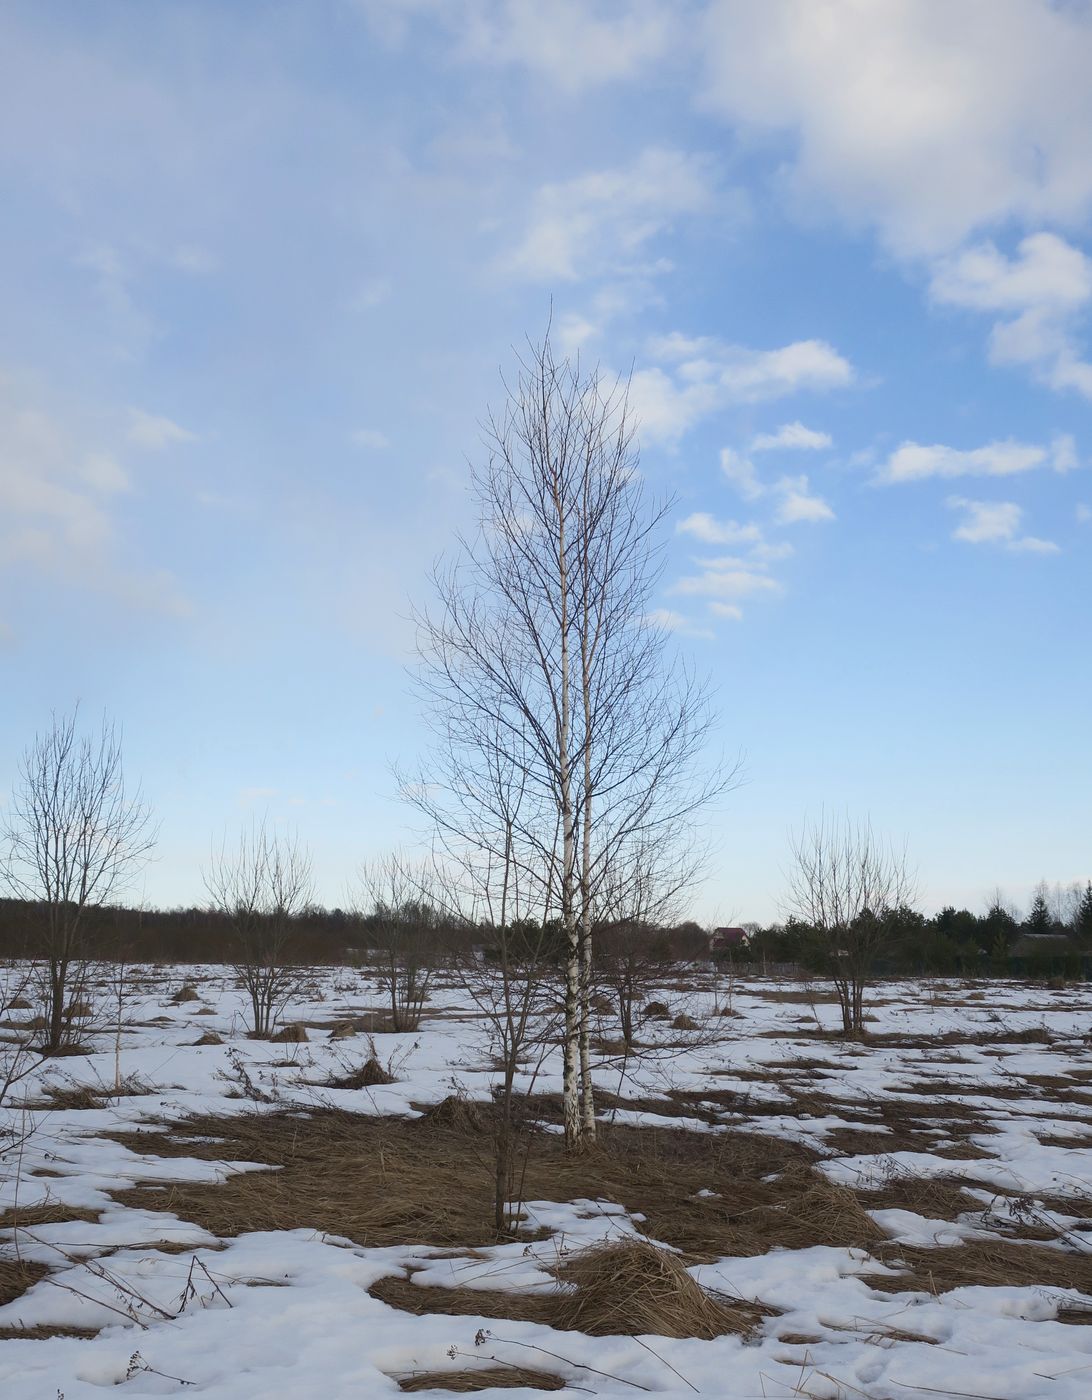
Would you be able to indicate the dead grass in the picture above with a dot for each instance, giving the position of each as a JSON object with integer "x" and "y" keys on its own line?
{"x": 16, "y": 1276}
{"x": 46, "y": 1213}
{"x": 370, "y": 1074}
{"x": 388, "y": 1181}
{"x": 510, "y": 1305}
{"x": 630, "y": 1288}
{"x": 488, "y": 1378}
{"x": 42, "y": 1331}
{"x": 984, "y": 1263}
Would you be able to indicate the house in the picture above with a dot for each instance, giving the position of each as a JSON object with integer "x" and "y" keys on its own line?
{"x": 722, "y": 940}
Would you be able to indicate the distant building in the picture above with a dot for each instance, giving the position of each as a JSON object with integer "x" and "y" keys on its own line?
{"x": 723, "y": 939}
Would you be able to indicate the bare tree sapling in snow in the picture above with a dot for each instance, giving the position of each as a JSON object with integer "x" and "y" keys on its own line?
{"x": 847, "y": 887}
{"x": 261, "y": 884}
{"x": 540, "y": 656}
{"x": 76, "y": 836}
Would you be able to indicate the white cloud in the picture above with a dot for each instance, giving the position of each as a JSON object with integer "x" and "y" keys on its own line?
{"x": 575, "y": 44}
{"x": 600, "y": 222}
{"x": 927, "y": 121}
{"x": 914, "y": 461}
{"x": 370, "y": 438}
{"x": 55, "y": 498}
{"x": 792, "y": 436}
{"x": 706, "y": 375}
{"x": 1047, "y": 284}
{"x": 996, "y": 522}
{"x": 672, "y": 621}
{"x": 1084, "y": 513}
{"x": 798, "y": 504}
{"x": 731, "y": 611}
{"x": 724, "y": 583}
{"x": 708, "y": 530}
{"x": 154, "y": 432}
{"x": 741, "y": 472}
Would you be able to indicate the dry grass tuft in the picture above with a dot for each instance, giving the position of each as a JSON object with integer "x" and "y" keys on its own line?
{"x": 488, "y": 1378}
{"x": 289, "y": 1035}
{"x": 186, "y": 993}
{"x": 210, "y": 1038}
{"x": 370, "y": 1074}
{"x": 656, "y": 1010}
{"x": 457, "y": 1115}
{"x": 20, "y": 1004}
{"x": 631, "y": 1288}
{"x": 683, "y": 1022}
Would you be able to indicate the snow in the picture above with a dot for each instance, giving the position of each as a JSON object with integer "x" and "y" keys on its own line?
{"x": 289, "y": 1313}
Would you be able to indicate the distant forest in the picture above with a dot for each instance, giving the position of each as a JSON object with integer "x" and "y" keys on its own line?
{"x": 1053, "y": 939}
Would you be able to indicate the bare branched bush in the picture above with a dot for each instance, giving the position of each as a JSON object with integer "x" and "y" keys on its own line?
{"x": 846, "y": 889}
{"x": 75, "y": 837}
{"x": 262, "y": 884}
{"x": 404, "y": 933}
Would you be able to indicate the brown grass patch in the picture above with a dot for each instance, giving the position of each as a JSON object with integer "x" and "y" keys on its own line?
{"x": 16, "y": 1276}
{"x": 631, "y": 1288}
{"x": 386, "y": 1181}
{"x": 488, "y": 1378}
{"x": 45, "y": 1213}
{"x": 986, "y": 1263}
{"x": 511, "y": 1305}
{"x": 44, "y": 1330}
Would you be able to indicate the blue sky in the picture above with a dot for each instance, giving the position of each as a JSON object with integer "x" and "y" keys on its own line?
{"x": 261, "y": 266}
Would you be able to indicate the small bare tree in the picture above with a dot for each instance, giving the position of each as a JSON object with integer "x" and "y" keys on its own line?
{"x": 403, "y": 933}
{"x": 262, "y": 884}
{"x": 75, "y": 838}
{"x": 846, "y": 887}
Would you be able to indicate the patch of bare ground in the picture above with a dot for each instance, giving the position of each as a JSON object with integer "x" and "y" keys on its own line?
{"x": 487, "y": 1378}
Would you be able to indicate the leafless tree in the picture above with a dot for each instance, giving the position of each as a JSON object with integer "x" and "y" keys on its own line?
{"x": 846, "y": 887}
{"x": 633, "y": 907}
{"x": 403, "y": 933}
{"x": 75, "y": 839}
{"x": 541, "y": 652}
{"x": 262, "y": 883}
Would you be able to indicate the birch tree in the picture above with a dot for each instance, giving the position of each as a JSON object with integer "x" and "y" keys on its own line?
{"x": 539, "y": 658}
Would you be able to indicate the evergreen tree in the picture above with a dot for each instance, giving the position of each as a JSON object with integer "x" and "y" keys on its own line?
{"x": 1082, "y": 922}
{"x": 1039, "y": 918}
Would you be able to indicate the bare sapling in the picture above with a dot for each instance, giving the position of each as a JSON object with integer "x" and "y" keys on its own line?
{"x": 75, "y": 838}
{"x": 405, "y": 934}
{"x": 846, "y": 888}
{"x": 261, "y": 884}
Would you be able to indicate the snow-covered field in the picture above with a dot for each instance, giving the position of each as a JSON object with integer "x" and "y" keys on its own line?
{"x": 289, "y": 1313}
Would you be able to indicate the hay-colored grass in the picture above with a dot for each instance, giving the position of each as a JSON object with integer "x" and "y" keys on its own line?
{"x": 630, "y": 1288}
{"x": 370, "y": 1075}
{"x": 17, "y": 1276}
{"x": 487, "y": 1378}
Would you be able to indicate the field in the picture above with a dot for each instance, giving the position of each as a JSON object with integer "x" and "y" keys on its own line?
{"x": 187, "y": 1209}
